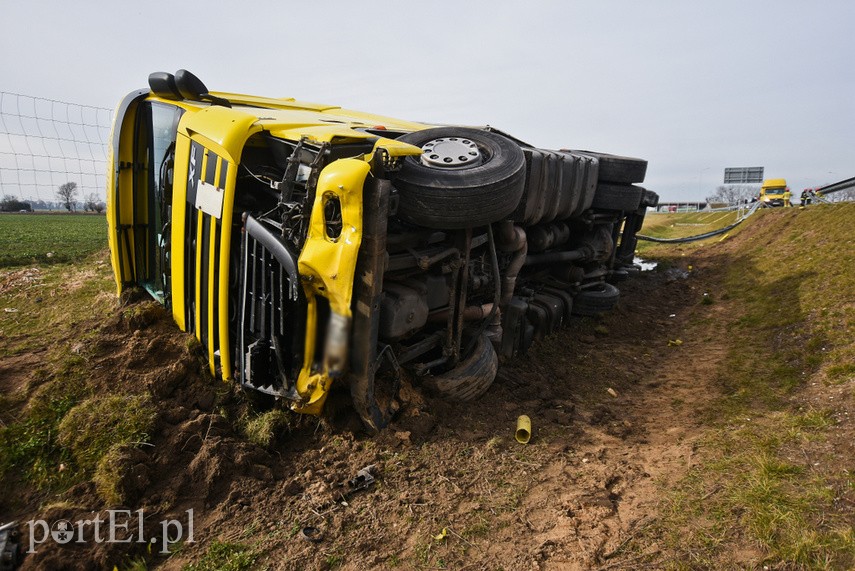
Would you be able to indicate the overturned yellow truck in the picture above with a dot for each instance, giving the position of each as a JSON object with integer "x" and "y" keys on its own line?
{"x": 313, "y": 249}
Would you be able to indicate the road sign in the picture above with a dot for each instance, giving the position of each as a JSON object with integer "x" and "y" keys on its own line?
{"x": 743, "y": 175}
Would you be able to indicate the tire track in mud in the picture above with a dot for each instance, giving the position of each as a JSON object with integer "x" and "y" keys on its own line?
{"x": 591, "y": 500}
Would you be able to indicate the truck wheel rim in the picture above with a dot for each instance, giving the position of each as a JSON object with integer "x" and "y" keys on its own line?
{"x": 451, "y": 152}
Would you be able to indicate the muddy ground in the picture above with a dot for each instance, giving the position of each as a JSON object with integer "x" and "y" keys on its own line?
{"x": 616, "y": 405}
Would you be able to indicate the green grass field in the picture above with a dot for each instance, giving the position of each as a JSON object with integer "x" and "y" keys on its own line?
{"x": 50, "y": 238}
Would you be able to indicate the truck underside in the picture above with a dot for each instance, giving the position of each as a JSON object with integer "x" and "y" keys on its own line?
{"x": 307, "y": 263}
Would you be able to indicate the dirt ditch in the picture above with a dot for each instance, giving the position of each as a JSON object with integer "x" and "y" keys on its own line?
{"x": 620, "y": 408}
{"x": 613, "y": 407}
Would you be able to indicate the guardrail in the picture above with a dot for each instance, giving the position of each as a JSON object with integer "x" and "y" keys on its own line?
{"x": 846, "y": 184}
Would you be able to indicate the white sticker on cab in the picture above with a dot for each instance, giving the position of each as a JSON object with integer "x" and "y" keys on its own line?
{"x": 209, "y": 199}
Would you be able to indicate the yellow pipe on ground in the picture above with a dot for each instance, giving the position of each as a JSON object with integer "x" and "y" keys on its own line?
{"x": 523, "y": 432}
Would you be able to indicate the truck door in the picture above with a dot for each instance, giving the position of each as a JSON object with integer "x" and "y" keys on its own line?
{"x": 154, "y": 152}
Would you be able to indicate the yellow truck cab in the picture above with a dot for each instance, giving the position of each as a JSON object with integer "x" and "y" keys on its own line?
{"x": 313, "y": 249}
{"x": 772, "y": 191}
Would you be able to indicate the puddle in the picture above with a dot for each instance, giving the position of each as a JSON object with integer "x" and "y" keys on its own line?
{"x": 645, "y": 266}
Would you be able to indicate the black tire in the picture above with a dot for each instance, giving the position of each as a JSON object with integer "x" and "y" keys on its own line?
{"x": 618, "y": 275}
{"x": 596, "y": 300}
{"x": 615, "y": 168}
{"x": 471, "y": 377}
{"x": 461, "y": 196}
{"x": 623, "y": 197}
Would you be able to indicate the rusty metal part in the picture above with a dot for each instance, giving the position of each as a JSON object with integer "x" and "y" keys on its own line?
{"x": 553, "y": 257}
{"x": 368, "y": 291}
{"x": 494, "y": 326}
{"x": 416, "y": 350}
{"x": 364, "y": 478}
{"x": 511, "y": 239}
{"x": 470, "y": 313}
{"x": 425, "y": 262}
{"x": 452, "y": 297}
{"x": 462, "y": 290}
{"x": 547, "y": 236}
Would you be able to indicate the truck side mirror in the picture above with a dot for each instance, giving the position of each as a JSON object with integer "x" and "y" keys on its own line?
{"x": 192, "y": 88}
{"x": 163, "y": 85}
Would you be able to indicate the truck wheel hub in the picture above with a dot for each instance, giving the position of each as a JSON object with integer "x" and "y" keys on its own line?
{"x": 450, "y": 152}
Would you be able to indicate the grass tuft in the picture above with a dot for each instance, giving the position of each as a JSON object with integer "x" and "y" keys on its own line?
{"x": 97, "y": 424}
{"x": 112, "y": 476}
{"x": 222, "y": 556}
{"x": 29, "y": 446}
{"x": 267, "y": 427}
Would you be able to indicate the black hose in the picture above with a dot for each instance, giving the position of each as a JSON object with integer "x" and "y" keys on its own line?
{"x": 552, "y": 257}
{"x": 701, "y": 236}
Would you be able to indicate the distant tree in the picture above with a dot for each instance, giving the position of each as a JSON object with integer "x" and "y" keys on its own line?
{"x": 93, "y": 204}
{"x": 12, "y": 204}
{"x": 734, "y": 193}
{"x": 67, "y": 195}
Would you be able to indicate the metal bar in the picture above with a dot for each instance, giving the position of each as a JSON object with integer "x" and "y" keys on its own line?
{"x": 367, "y": 293}
{"x": 271, "y": 270}
{"x": 212, "y": 295}
{"x": 837, "y": 186}
{"x": 448, "y": 347}
{"x": 280, "y": 301}
{"x": 197, "y": 267}
{"x": 461, "y": 300}
{"x": 241, "y": 349}
{"x": 277, "y": 249}
{"x": 263, "y": 309}
{"x": 551, "y": 257}
{"x": 254, "y": 281}
{"x": 420, "y": 348}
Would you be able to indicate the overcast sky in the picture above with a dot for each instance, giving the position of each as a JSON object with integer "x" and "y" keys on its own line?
{"x": 693, "y": 87}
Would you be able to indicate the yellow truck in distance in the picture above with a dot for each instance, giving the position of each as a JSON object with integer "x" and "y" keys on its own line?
{"x": 772, "y": 191}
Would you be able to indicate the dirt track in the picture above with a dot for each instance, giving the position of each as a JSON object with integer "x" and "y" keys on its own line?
{"x": 586, "y": 483}
{"x": 618, "y": 414}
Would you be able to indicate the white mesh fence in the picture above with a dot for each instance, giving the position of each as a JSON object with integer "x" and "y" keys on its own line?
{"x": 45, "y": 143}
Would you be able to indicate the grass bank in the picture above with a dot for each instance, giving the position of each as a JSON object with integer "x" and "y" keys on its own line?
{"x": 776, "y": 480}
{"x": 49, "y": 316}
